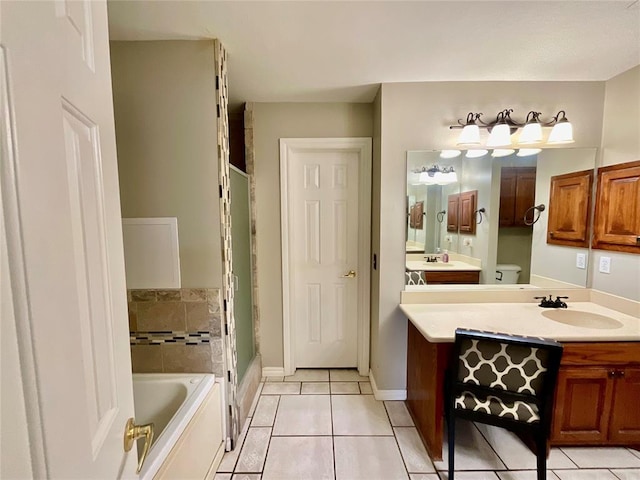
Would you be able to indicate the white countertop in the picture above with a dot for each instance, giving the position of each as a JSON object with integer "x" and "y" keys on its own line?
{"x": 438, "y": 322}
{"x": 451, "y": 266}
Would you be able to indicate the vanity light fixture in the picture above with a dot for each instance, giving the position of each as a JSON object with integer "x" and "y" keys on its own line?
{"x": 437, "y": 175}
{"x": 450, "y": 153}
{"x": 527, "y": 152}
{"x": 502, "y": 152}
{"x": 503, "y": 127}
{"x": 477, "y": 153}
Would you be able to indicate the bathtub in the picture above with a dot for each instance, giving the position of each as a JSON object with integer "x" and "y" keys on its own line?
{"x": 186, "y": 410}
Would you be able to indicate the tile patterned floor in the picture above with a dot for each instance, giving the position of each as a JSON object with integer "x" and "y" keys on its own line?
{"x": 326, "y": 424}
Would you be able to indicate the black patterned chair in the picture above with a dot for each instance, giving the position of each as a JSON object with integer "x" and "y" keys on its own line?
{"x": 503, "y": 380}
{"x": 414, "y": 277}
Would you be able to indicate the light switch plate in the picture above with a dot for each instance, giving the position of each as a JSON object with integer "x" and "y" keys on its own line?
{"x": 605, "y": 265}
{"x": 467, "y": 242}
{"x": 581, "y": 260}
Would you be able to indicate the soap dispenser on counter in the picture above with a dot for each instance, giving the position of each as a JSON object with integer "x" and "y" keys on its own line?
{"x": 445, "y": 256}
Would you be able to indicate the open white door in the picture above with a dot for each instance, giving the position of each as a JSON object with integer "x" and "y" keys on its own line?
{"x": 62, "y": 210}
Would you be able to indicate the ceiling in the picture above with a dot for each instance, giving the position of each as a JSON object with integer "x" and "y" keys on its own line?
{"x": 321, "y": 51}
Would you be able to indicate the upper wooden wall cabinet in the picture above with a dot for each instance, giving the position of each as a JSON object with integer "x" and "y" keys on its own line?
{"x": 467, "y": 215}
{"x": 453, "y": 206}
{"x": 617, "y": 220}
{"x": 517, "y": 194}
{"x": 570, "y": 209}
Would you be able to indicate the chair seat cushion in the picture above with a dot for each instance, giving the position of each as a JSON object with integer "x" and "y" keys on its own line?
{"x": 516, "y": 410}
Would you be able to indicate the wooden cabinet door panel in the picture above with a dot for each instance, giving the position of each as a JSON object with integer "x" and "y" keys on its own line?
{"x": 453, "y": 207}
{"x": 525, "y": 195}
{"x": 618, "y": 208}
{"x": 459, "y": 277}
{"x": 507, "y": 197}
{"x": 467, "y": 215}
{"x": 569, "y": 209}
{"x": 625, "y": 416}
{"x": 583, "y": 405}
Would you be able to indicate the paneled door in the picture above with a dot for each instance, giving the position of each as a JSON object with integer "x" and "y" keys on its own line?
{"x": 322, "y": 198}
{"x": 65, "y": 244}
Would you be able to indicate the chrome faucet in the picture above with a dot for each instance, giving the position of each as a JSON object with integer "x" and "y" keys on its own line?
{"x": 550, "y": 303}
{"x": 432, "y": 259}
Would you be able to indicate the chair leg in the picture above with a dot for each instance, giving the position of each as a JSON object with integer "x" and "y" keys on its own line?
{"x": 451, "y": 441}
{"x": 541, "y": 455}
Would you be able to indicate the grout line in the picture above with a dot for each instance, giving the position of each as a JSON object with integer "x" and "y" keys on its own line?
{"x": 333, "y": 442}
{"x": 490, "y": 446}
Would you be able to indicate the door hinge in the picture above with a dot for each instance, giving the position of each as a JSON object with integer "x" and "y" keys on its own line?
{"x": 224, "y": 304}
{"x": 229, "y": 375}
{"x": 220, "y": 190}
{"x": 226, "y": 329}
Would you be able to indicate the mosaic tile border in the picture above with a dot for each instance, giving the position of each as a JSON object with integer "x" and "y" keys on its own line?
{"x": 160, "y": 337}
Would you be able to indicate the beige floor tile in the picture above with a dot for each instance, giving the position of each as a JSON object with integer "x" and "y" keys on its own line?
{"x": 424, "y": 476}
{"x": 515, "y": 454}
{"x": 222, "y": 476}
{"x": 308, "y": 375}
{"x": 274, "y": 379}
{"x": 594, "y": 457}
{"x": 368, "y": 458}
{"x": 254, "y": 450}
{"x": 281, "y": 388}
{"x": 627, "y": 474}
{"x": 585, "y": 475}
{"x": 303, "y": 415}
{"x": 472, "y": 450}
{"x": 398, "y": 414}
{"x": 413, "y": 452}
{"x": 315, "y": 388}
{"x": 229, "y": 459}
{"x": 254, "y": 403}
{"x": 246, "y": 476}
{"x": 525, "y": 475}
{"x": 265, "y": 412}
{"x": 365, "y": 388}
{"x": 345, "y": 388}
{"x": 480, "y": 475}
{"x": 346, "y": 375}
{"x": 635, "y": 452}
{"x": 359, "y": 415}
{"x": 296, "y": 458}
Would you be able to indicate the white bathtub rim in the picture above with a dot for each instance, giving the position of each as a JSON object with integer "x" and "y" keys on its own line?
{"x": 177, "y": 424}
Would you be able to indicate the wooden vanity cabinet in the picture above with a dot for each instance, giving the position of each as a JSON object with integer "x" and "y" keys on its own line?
{"x": 597, "y": 395}
{"x": 517, "y": 195}
{"x": 570, "y": 209}
{"x": 617, "y": 220}
{"x": 452, "y": 278}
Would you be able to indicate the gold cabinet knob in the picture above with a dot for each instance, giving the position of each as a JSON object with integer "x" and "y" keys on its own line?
{"x": 133, "y": 432}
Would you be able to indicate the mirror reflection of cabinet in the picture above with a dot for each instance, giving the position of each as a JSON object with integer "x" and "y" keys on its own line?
{"x": 617, "y": 225}
{"x": 467, "y": 212}
{"x": 453, "y": 207}
{"x": 517, "y": 194}
{"x": 570, "y": 209}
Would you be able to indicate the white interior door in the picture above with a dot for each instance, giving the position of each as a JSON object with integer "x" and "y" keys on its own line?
{"x": 65, "y": 189}
{"x": 325, "y": 271}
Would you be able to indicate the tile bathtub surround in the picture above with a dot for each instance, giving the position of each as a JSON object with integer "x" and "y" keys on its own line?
{"x": 176, "y": 331}
{"x": 307, "y": 431}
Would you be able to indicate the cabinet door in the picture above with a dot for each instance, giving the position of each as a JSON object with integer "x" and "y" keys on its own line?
{"x": 467, "y": 218}
{"x": 582, "y": 406}
{"x": 525, "y": 195}
{"x": 569, "y": 207}
{"x": 507, "y": 197}
{"x": 453, "y": 207}
{"x": 625, "y": 417}
{"x": 617, "y": 225}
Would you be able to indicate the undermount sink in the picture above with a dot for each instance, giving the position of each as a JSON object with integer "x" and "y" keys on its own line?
{"x": 577, "y": 318}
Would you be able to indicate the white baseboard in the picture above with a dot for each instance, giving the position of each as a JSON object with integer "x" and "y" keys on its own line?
{"x": 386, "y": 394}
{"x": 273, "y": 371}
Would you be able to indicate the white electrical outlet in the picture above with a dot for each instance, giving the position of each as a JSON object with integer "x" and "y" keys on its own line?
{"x": 605, "y": 265}
{"x": 581, "y": 260}
{"x": 467, "y": 242}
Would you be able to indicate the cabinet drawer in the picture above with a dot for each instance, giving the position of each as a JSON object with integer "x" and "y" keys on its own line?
{"x": 613, "y": 353}
{"x": 436, "y": 278}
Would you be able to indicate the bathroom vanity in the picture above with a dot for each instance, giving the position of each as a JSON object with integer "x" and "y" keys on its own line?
{"x": 452, "y": 272}
{"x": 599, "y": 381}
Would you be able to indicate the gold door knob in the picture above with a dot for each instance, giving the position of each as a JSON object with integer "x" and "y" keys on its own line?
{"x": 351, "y": 274}
{"x": 133, "y": 432}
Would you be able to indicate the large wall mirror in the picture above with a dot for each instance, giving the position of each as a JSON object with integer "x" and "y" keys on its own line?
{"x": 480, "y": 212}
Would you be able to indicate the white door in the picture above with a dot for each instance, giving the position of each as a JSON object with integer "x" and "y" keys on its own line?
{"x": 324, "y": 268}
{"x": 66, "y": 191}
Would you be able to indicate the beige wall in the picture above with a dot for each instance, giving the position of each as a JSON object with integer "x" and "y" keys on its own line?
{"x": 273, "y": 121}
{"x": 620, "y": 144}
{"x": 415, "y": 116}
{"x": 165, "y": 113}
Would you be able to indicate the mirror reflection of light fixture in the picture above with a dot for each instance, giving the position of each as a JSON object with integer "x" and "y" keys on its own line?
{"x": 437, "y": 175}
{"x": 449, "y": 153}
{"x": 470, "y": 134}
{"x": 504, "y": 126}
{"x": 476, "y": 153}
{"x": 502, "y": 152}
{"x": 526, "y": 152}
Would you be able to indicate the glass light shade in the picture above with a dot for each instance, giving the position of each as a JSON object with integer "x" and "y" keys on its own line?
{"x": 449, "y": 153}
{"x": 476, "y": 153}
{"x": 562, "y": 132}
{"x": 470, "y": 135}
{"x": 526, "y": 152}
{"x": 425, "y": 178}
{"x": 452, "y": 177}
{"x": 502, "y": 152}
{"x": 531, "y": 133}
{"x": 500, "y": 136}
